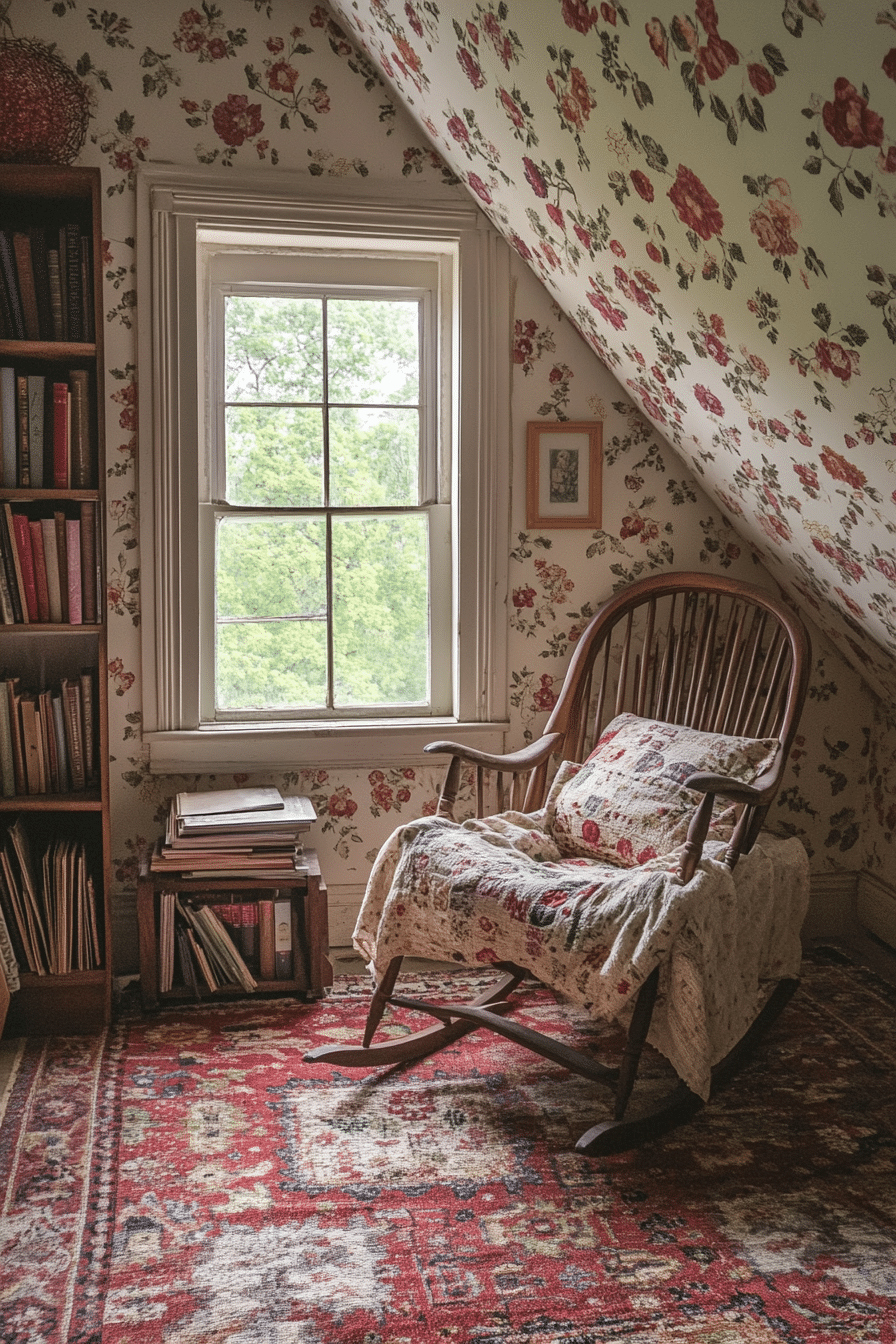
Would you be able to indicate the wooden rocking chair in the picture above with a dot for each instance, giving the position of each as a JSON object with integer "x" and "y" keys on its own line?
{"x": 704, "y": 653}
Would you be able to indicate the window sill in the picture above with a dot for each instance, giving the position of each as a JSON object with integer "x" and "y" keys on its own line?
{"x": 359, "y": 744}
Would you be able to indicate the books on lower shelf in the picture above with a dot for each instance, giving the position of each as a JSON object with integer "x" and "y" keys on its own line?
{"x": 50, "y": 567}
{"x": 49, "y": 903}
{"x": 48, "y": 738}
{"x": 46, "y": 283}
{"x": 226, "y": 944}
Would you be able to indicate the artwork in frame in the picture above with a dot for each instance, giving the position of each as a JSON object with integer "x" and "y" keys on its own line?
{"x": 563, "y": 473}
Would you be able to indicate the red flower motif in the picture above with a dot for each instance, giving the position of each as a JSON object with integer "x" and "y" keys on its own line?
{"x": 617, "y": 249}
{"x": 216, "y": 48}
{"x": 458, "y": 130}
{"x": 382, "y": 796}
{"x": 849, "y": 120}
{"x": 283, "y": 77}
{"x": 642, "y": 184}
{"x": 534, "y": 177}
{"x": 276, "y": 44}
{"x": 708, "y": 400}
{"x": 659, "y": 42}
{"x": 341, "y": 805}
{"x": 581, "y": 91}
{"x": 715, "y": 348}
{"x": 556, "y": 215}
{"x": 706, "y": 14}
{"x": 887, "y": 162}
{"x": 544, "y": 698}
{"x": 653, "y": 252}
{"x": 520, "y": 247}
{"x": 577, "y": 15}
{"x": 511, "y": 109}
{"x": 590, "y": 832}
{"x": 773, "y": 224}
{"x": 649, "y": 852}
{"x": 470, "y": 67}
{"x": 714, "y": 59}
{"x": 832, "y": 358}
{"x": 763, "y": 80}
{"x": 694, "y": 205}
{"x": 608, "y": 13}
{"x": 615, "y": 316}
{"x": 842, "y": 470}
{"x": 888, "y": 64}
{"x": 237, "y": 120}
{"x": 481, "y": 190}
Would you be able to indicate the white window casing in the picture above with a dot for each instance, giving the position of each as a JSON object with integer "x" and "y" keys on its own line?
{"x": 178, "y": 209}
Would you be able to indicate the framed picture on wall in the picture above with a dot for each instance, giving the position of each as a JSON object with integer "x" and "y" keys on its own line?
{"x": 563, "y": 473}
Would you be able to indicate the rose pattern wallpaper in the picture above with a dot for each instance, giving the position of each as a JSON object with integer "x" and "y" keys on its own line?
{"x": 671, "y": 278}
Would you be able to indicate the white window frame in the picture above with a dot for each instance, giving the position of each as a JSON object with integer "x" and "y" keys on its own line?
{"x": 172, "y": 206}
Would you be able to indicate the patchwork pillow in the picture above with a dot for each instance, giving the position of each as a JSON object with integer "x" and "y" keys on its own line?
{"x": 627, "y": 803}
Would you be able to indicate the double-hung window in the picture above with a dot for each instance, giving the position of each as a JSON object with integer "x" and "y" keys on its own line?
{"x": 324, "y": 477}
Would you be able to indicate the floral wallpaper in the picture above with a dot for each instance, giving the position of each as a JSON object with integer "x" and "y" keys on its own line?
{"x": 718, "y": 451}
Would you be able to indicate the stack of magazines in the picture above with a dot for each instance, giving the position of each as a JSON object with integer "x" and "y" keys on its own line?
{"x": 240, "y": 833}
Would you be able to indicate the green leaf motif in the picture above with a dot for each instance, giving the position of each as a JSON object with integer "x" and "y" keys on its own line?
{"x": 835, "y": 195}
{"x": 813, "y": 166}
{"x": 822, "y": 316}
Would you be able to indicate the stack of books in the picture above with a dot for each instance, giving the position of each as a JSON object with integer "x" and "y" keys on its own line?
{"x": 251, "y": 833}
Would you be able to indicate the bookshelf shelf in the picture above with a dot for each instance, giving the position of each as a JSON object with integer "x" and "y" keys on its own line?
{"x": 47, "y": 204}
{"x": 307, "y": 894}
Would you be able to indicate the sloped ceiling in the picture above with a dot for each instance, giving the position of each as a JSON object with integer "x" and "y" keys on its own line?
{"x": 710, "y": 196}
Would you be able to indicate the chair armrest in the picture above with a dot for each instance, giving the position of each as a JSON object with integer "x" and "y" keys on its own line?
{"x": 510, "y": 763}
{"x": 753, "y": 795}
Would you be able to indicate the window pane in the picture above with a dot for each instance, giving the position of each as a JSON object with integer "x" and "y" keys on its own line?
{"x": 274, "y": 456}
{"x": 271, "y": 567}
{"x": 380, "y": 610}
{"x": 273, "y": 349}
{"x": 374, "y": 457}
{"x": 271, "y": 665}
{"x": 373, "y": 349}
{"x": 268, "y": 568}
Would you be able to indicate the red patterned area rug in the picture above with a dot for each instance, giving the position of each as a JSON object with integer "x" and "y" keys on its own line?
{"x": 189, "y": 1180}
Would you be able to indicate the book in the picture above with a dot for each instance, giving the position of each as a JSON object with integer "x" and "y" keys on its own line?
{"x": 36, "y": 418}
{"x": 266, "y": 965}
{"x": 55, "y": 284}
{"x": 63, "y": 285}
{"x": 41, "y": 271}
{"x": 15, "y": 732}
{"x": 23, "y": 432}
{"x": 40, "y": 569}
{"x": 7, "y": 769}
{"x": 51, "y": 560}
{"x": 21, "y": 244}
{"x": 85, "y": 682}
{"x": 30, "y": 742}
{"x": 73, "y": 283}
{"x": 7, "y": 610}
{"x": 89, "y": 562}
{"x": 79, "y": 442}
{"x": 61, "y": 743}
{"x": 62, "y": 557}
{"x": 87, "y": 287}
{"x": 218, "y": 801}
{"x": 295, "y": 815}
{"x": 22, "y": 534}
{"x": 8, "y": 267}
{"x": 74, "y": 733}
{"x": 48, "y": 736}
{"x": 248, "y": 927}
{"x": 8, "y": 426}
{"x": 6, "y": 327}
{"x": 282, "y": 939}
{"x": 185, "y": 958}
{"x": 10, "y": 549}
{"x": 61, "y": 398}
{"x": 73, "y": 577}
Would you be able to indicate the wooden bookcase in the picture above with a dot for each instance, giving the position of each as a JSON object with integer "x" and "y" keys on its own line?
{"x": 42, "y": 653}
{"x": 307, "y": 893}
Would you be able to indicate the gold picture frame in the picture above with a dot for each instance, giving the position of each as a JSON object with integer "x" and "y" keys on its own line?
{"x": 563, "y": 473}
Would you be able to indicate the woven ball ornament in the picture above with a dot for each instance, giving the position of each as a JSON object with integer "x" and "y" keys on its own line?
{"x": 44, "y": 107}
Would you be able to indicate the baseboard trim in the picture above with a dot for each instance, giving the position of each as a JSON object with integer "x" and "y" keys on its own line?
{"x": 876, "y": 907}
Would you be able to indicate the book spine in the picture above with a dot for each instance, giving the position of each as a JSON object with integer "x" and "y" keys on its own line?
{"x": 74, "y": 738}
{"x": 45, "y": 702}
{"x": 7, "y": 262}
{"x": 6, "y": 328}
{"x": 61, "y": 744}
{"x": 7, "y": 610}
{"x": 8, "y": 428}
{"x": 26, "y": 563}
{"x": 36, "y": 417}
{"x": 51, "y": 559}
{"x": 73, "y": 560}
{"x": 23, "y": 439}
{"x": 15, "y": 730}
{"x": 87, "y": 288}
{"x": 10, "y": 565}
{"x": 88, "y": 720}
{"x": 21, "y": 245}
{"x": 282, "y": 939}
{"x": 28, "y": 710}
{"x": 40, "y": 569}
{"x": 11, "y": 548}
{"x": 41, "y": 282}
{"x": 266, "y": 964}
{"x": 73, "y": 282}
{"x": 79, "y": 450}
{"x": 249, "y": 934}
{"x": 60, "y": 436}
{"x": 89, "y": 561}
{"x": 55, "y": 293}
{"x": 62, "y": 557}
{"x": 7, "y": 769}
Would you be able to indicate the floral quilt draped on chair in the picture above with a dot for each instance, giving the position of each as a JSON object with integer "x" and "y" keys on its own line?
{"x": 593, "y": 932}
